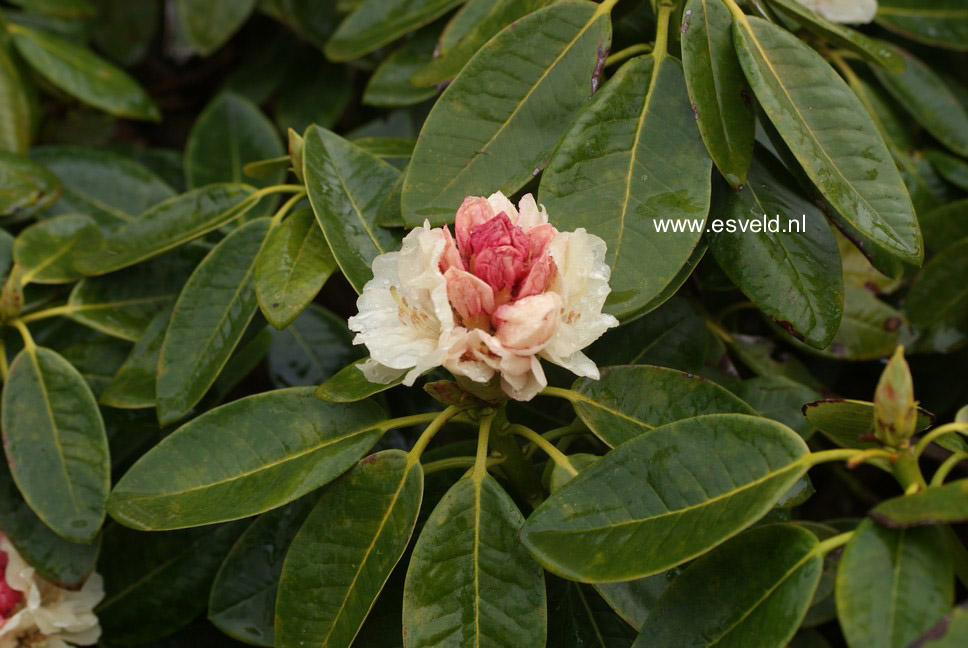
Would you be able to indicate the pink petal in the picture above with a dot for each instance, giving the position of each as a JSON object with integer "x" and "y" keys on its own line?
{"x": 528, "y": 323}
{"x": 470, "y": 297}
{"x": 475, "y": 211}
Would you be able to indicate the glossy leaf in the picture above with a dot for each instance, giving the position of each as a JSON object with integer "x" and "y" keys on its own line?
{"x": 167, "y": 225}
{"x": 45, "y": 251}
{"x": 272, "y": 448}
{"x": 390, "y": 84}
{"x": 25, "y": 186}
{"x": 780, "y": 399}
{"x": 631, "y": 400}
{"x": 291, "y": 268}
{"x": 605, "y": 176}
{"x": 157, "y": 583}
{"x": 209, "y": 319}
{"x": 924, "y": 94}
{"x": 133, "y": 386}
{"x": 387, "y": 147}
{"x": 942, "y": 23}
{"x": 719, "y": 93}
{"x": 346, "y": 187}
{"x": 954, "y": 169}
{"x": 54, "y": 437}
{"x": 243, "y": 598}
{"x": 14, "y": 106}
{"x": 602, "y": 525}
{"x": 377, "y": 22}
{"x": 634, "y": 600}
{"x": 230, "y": 133}
{"x": 892, "y": 585}
{"x": 850, "y": 423}
{"x": 867, "y": 192}
{"x": 210, "y": 23}
{"x": 311, "y": 349}
{"x": 937, "y": 304}
{"x": 80, "y": 73}
{"x": 494, "y": 127}
{"x": 349, "y": 385}
{"x": 759, "y": 584}
{"x": 944, "y": 225}
{"x": 470, "y": 580}
{"x": 111, "y": 189}
{"x": 344, "y": 553}
{"x": 950, "y": 632}
{"x": 868, "y": 330}
{"x": 794, "y": 274}
{"x": 55, "y": 559}
{"x": 935, "y": 505}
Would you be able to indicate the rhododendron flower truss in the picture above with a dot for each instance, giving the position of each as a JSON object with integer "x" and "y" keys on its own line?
{"x": 488, "y": 302}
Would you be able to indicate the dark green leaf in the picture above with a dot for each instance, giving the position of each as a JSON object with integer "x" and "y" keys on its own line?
{"x": 291, "y": 268}
{"x": 634, "y": 600}
{"x": 55, "y": 442}
{"x": 348, "y": 385}
{"x": 759, "y": 584}
{"x": 125, "y": 30}
{"x": 272, "y": 448}
{"x": 720, "y": 96}
{"x": 311, "y": 349}
{"x": 631, "y": 400}
{"x": 867, "y": 192}
{"x": 387, "y": 147}
{"x": 579, "y": 617}
{"x": 344, "y": 553}
{"x": 935, "y": 505}
{"x": 80, "y": 73}
{"x": 850, "y": 423}
{"x": 346, "y": 187}
{"x": 950, "y": 632}
{"x": 494, "y": 127}
{"x": 377, "y": 22}
{"x": 780, "y": 399}
{"x": 45, "y": 251}
{"x": 15, "y": 119}
{"x": 243, "y": 599}
{"x": 942, "y": 23}
{"x": 390, "y": 84}
{"x": 657, "y": 500}
{"x": 470, "y": 580}
{"x": 892, "y": 585}
{"x": 869, "y": 329}
{"x": 318, "y": 96}
{"x": 944, "y": 225}
{"x": 605, "y": 176}
{"x": 60, "y": 8}
{"x": 937, "y": 304}
{"x": 210, "y": 317}
{"x": 208, "y": 24}
{"x": 25, "y": 186}
{"x": 133, "y": 386}
{"x": 954, "y": 169}
{"x": 793, "y": 274}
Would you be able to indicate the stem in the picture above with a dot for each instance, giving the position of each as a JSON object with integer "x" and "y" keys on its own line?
{"x": 828, "y": 545}
{"x": 517, "y": 467}
{"x": 65, "y": 309}
{"x": 25, "y": 334}
{"x": 662, "y": 29}
{"x": 948, "y": 428}
{"x": 606, "y": 6}
{"x": 549, "y": 449}
{"x": 283, "y": 188}
{"x": 558, "y": 392}
{"x": 4, "y": 369}
{"x": 480, "y": 461}
{"x": 438, "y": 422}
{"x": 908, "y": 472}
{"x": 286, "y": 207}
{"x": 736, "y": 11}
{"x": 414, "y": 419}
{"x": 451, "y": 463}
{"x": 946, "y": 467}
{"x": 627, "y": 53}
{"x": 575, "y": 427}
{"x": 843, "y": 454}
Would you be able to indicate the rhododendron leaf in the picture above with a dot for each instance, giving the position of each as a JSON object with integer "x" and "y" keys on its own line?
{"x": 25, "y": 186}
{"x": 937, "y": 304}
{"x": 631, "y": 400}
{"x": 470, "y": 580}
{"x": 54, "y": 437}
{"x": 243, "y": 599}
{"x": 167, "y": 225}
{"x": 781, "y": 399}
{"x": 208, "y": 24}
{"x": 495, "y": 126}
{"x": 377, "y": 22}
{"x": 793, "y": 276}
{"x": 943, "y": 23}
{"x": 346, "y": 188}
{"x": 273, "y": 448}
{"x": 158, "y": 582}
{"x": 291, "y": 268}
{"x": 605, "y": 177}
{"x": 721, "y": 97}
{"x": 345, "y": 551}
{"x": 935, "y": 505}
{"x": 759, "y": 584}
{"x": 390, "y": 84}
{"x": 944, "y": 225}
{"x": 387, "y": 148}
{"x": 45, "y": 251}
{"x": 850, "y": 423}
{"x": 579, "y": 616}
{"x": 14, "y": 105}
{"x": 602, "y": 525}
{"x": 230, "y": 122}
{"x": 111, "y": 189}
{"x": 133, "y": 386}
{"x": 57, "y": 560}
{"x": 892, "y": 585}
{"x": 80, "y": 73}
{"x": 209, "y": 319}
{"x": 867, "y": 192}
{"x": 634, "y": 600}
{"x": 924, "y": 94}
{"x": 349, "y": 385}
{"x": 314, "y": 347}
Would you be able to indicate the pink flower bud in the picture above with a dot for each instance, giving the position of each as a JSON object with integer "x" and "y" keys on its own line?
{"x": 451, "y": 257}
{"x": 470, "y": 297}
{"x": 475, "y": 211}
{"x": 539, "y": 277}
{"x": 499, "y": 253}
{"x": 9, "y": 597}
{"x": 528, "y": 323}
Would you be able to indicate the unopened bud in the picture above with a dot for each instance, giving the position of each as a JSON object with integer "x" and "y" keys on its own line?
{"x": 12, "y": 297}
{"x": 895, "y": 410}
{"x": 296, "y": 153}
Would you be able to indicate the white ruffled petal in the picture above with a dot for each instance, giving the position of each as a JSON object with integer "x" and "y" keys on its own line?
{"x": 530, "y": 214}
{"x": 500, "y": 203}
